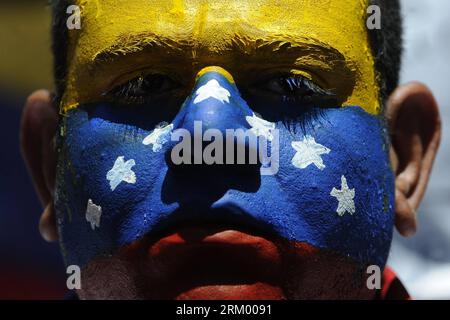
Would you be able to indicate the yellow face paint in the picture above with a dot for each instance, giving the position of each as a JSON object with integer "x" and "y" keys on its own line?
{"x": 323, "y": 40}
{"x": 218, "y": 70}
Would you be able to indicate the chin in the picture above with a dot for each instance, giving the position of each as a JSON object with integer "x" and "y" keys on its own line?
{"x": 205, "y": 262}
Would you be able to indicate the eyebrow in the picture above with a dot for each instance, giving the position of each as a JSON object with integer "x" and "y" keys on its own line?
{"x": 131, "y": 44}
{"x": 127, "y": 45}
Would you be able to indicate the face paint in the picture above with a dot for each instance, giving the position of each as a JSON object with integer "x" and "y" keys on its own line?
{"x": 308, "y": 152}
{"x": 334, "y": 196}
{"x": 159, "y": 136}
{"x": 334, "y": 188}
{"x": 93, "y": 214}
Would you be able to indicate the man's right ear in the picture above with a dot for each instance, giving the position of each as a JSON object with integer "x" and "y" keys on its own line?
{"x": 37, "y": 136}
{"x": 415, "y": 126}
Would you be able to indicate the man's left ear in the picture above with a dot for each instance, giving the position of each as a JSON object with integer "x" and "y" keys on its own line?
{"x": 415, "y": 126}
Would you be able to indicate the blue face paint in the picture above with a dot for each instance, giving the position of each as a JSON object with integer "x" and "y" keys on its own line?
{"x": 334, "y": 189}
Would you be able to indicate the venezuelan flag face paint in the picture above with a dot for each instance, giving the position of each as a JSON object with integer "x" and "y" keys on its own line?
{"x": 140, "y": 70}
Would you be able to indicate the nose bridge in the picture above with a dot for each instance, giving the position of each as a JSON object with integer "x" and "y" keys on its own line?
{"x": 218, "y": 70}
{"x": 215, "y": 101}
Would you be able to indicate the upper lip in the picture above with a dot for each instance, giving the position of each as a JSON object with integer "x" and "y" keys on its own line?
{"x": 226, "y": 217}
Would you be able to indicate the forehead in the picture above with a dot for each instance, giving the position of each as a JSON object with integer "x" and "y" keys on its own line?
{"x": 330, "y": 20}
{"x": 210, "y": 26}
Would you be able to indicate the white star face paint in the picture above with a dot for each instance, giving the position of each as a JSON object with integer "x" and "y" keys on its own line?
{"x": 159, "y": 136}
{"x": 93, "y": 214}
{"x": 308, "y": 152}
{"x": 261, "y": 127}
{"x": 121, "y": 171}
{"x": 345, "y": 197}
{"x": 212, "y": 89}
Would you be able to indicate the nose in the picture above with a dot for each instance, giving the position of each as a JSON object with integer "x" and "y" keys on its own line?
{"x": 214, "y": 104}
{"x": 214, "y": 111}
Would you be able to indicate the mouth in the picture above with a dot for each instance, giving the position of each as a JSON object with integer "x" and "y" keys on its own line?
{"x": 217, "y": 253}
{"x": 194, "y": 254}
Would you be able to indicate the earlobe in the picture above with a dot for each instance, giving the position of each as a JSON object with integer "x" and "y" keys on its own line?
{"x": 38, "y": 128}
{"x": 47, "y": 224}
{"x": 415, "y": 126}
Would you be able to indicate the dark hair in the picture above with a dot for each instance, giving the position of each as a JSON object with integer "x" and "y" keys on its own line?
{"x": 60, "y": 44}
{"x": 386, "y": 44}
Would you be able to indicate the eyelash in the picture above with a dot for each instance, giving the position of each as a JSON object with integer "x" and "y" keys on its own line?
{"x": 309, "y": 91}
{"x": 135, "y": 91}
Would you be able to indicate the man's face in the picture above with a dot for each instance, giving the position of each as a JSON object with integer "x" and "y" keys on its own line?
{"x": 142, "y": 227}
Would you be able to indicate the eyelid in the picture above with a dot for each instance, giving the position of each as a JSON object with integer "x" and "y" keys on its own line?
{"x": 144, "y": 72}
{"x": 255, "y": 76}
{"x": 127, "y": 92}
{"x": 294, "y": 75}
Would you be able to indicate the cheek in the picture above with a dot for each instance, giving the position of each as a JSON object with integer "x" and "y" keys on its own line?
{"x": 105, "y": 174}
{"x": 355, "y": 219}
{"x": 95, "y": 147}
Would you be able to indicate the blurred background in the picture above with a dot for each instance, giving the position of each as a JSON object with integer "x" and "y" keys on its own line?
{"x": 29, "y": 267}
{"x": 423, "y": 262}
{"x": 32, "y": 269}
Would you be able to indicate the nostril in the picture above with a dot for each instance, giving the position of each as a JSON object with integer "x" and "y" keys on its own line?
{"x": 214, "y": 176}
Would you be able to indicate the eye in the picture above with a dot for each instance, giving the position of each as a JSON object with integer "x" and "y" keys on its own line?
{"x": 143, "y": 89}
{"x": 292, "y": 99}
{"x": 295, "y": 88}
